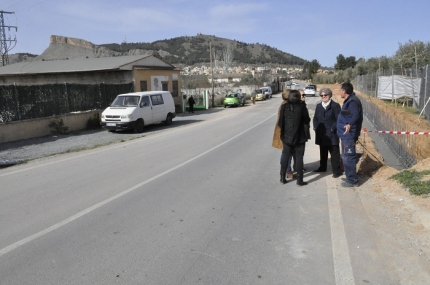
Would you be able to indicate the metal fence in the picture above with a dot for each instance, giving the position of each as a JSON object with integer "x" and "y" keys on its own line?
{"x": 38, "y": 101}
{"x": 405, "y": 147}
{"x": 402, "y": 146}
{"x": 368, "y": 84}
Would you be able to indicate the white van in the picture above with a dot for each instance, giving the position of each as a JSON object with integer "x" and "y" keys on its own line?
{"x": 137, "y": 110}
{"x": 267, "y": 91}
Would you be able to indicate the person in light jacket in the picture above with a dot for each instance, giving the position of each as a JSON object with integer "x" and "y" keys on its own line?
{"x": 324, "y": 124}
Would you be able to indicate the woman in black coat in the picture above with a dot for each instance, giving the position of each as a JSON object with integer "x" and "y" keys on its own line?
{"x": 324, "y": 122}
{"x": 292, "y": 119}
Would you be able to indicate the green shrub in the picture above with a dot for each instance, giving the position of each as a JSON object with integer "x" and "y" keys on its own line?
{"x": 93, "y": 123}
{"x": 412, "y": 180}
{"x": 57, "y": 127}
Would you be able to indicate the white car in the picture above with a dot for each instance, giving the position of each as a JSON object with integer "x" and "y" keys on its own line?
{"x": 310, "y": 90}
{"x": 267, "y": 91}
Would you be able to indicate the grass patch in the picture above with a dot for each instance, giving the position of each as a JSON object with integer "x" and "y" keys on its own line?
{"x": 407, "y": 108}
{"x": 412, "y": 180}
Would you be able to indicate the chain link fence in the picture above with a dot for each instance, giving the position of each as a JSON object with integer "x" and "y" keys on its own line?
{"x": 37, "y": 101}
{"x": 404, "y": 147}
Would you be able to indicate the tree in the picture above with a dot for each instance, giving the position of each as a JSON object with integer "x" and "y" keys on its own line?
{"x": 216, "y": 55}
{"x": 344, "y": 63}
{"x": 350, "y": 61}
{"x": 156, "y": 54}
{"x": 227, "y": 55}
{"x": 412, "y": 54}
{"x": 360, "y": 67}
{"x": 340, "y": 62}
{"x": 314, "y": 66}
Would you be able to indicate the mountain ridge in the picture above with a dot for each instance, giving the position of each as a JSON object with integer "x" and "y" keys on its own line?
{"x": 184, "y": 50}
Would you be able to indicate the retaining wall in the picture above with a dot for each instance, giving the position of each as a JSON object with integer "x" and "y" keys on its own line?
{"x": 27, "y": 129}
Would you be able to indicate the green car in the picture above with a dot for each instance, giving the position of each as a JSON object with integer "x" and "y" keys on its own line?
{"x": 234, "y": 99}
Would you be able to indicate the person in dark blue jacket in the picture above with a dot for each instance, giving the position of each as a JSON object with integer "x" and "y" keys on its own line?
{"x": 324, "y": 123}
{"x": 349, "y": 124}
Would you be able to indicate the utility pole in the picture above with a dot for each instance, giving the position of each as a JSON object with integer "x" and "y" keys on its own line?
{"x": 212, "y": 73}
{"x": 6, "y": 44}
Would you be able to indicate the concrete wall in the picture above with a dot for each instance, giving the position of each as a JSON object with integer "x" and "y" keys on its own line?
{"x": 13, "y": 131}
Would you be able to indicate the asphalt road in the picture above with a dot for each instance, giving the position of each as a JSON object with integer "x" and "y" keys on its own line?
{"x": 197, "y": 204}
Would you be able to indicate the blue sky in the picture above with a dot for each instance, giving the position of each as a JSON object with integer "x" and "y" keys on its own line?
{"x": 310, "y": 29}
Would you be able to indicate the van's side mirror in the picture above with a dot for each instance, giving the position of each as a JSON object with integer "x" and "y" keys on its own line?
{"x": 184, "y": 97}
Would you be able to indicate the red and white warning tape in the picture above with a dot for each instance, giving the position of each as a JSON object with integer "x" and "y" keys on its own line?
{"x": 395, "y": 132}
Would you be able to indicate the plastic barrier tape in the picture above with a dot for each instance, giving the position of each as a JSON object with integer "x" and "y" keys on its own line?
{"x": 395, "y": 132}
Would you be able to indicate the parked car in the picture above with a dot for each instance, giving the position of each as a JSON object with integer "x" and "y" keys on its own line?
{"x": 137, "y": 110}
{"x": 310, "y": 90}
{"x": 260, "y": 95}
{"x": 234, "y": 99}
{"x": 267, "y": 91}
{"x": 315, "y": 87}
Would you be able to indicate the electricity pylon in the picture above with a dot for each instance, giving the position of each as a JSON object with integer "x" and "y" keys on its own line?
{"x": 6, "y": 44}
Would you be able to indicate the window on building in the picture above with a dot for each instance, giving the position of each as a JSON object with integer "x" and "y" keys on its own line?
{"x": 175, "y": 88}
{"x": 143, "y": 85}
{"x": 165, "y": 85}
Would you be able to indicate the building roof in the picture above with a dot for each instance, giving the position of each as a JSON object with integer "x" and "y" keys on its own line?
{"x": 84, "y": 65}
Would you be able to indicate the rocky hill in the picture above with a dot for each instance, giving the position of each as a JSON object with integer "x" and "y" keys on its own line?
{"x": 181, "y": 50}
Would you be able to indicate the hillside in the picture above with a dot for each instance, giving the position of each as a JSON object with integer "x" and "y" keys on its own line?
{"x": 180, "y": 50}
{"x": 190, "y": 50}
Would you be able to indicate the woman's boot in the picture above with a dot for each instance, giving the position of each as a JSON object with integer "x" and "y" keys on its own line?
{"x": 300, "y": 181}
{"x": 283, "y": 180}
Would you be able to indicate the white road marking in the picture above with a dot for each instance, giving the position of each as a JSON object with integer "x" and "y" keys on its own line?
{"x": 342, "y": 262}
{"x": 102, "y": 203}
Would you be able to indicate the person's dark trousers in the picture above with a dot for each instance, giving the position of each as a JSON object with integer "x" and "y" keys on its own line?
{"x": 335, "y": 157}
{"x": 349, "y": 158}
{"x": 289, "y": 167}
{"x": 191, "y": 108}
{"x": 287, "y": 151}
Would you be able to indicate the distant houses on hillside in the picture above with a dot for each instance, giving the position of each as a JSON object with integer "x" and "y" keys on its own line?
{"x": 234, "y": 74}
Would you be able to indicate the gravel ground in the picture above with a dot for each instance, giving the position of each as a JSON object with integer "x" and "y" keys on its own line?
{"x": 24, "y": 150}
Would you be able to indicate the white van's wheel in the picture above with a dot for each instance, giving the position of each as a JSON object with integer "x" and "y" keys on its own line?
{"x": 168, "y": 120}
{"x": 138, "y": 126}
